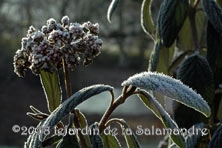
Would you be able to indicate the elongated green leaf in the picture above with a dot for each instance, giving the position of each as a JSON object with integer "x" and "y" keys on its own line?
{"x": 170, "y": 87}
{"x": 52, "y": 89}
{"x": 165, "y": 118}
{"x": 95, "y": 138}
{"x": 171, "y": 17}
{"x": 110, "y": 141}
{"x": 69, "y": 104}
{"x": 216, "y": 140}
{"x": 214, "y": 13}
{"x": 165, "y": 59}
{"x": 111, "y": 9}
{"x": 146, "y": 17}
{"x": 185, "y": 39}
{"x": 83, "y": 125}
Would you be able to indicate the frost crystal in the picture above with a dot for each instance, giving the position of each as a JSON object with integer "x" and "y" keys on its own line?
{"x": 75, "y": 43}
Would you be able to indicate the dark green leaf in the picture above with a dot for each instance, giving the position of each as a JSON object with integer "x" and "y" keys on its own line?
{"x": 192, "y": 140}
{"x": 171, "y": 17}
{"x": 195, "y": 72}
{"x": 214, "y": 52}
{"x": 52, "y": 89}
{"x": 111, "y": 9}
{"x": 95, "y": 138}
{"x": 146, "y": 18}
{"x": 170, "y": 87}
{"x": 165, "y": 118}
{"x": 110, "y": 141}
{"x": 214, "y": 13}
{"x": 216, "y": 141}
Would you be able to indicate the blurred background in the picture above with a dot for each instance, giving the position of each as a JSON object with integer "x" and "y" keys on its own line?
{"x": 125, "y": 51}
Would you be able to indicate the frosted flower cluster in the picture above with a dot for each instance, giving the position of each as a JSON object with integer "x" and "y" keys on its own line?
{"x": 46, "y": 48}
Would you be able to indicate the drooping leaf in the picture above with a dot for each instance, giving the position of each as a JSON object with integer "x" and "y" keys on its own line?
{"x": 52, "y": 89}
{"x": 214, "y": 13}
{"x": 69, "y": 104}
{"x": 146, "y": 17}
{"x": 110, "y": 141}
{"x": 130, "y": 137}
{"x": 111, "y": 9}
{"x": 171, "y": 17}
{"x": 95, "y": 138}
{"x": 170, "y": 87}
{"x": 83, "y": 125}
{"x": 216, "y": 140}
{"x": 165, "y": 118}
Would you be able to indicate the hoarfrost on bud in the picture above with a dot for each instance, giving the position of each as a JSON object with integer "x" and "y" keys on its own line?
{"x": 75, "y": 43}
{"x": 65, "y": 20}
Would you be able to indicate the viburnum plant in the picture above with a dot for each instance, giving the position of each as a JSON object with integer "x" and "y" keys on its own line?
{"x": 184, "y": 29}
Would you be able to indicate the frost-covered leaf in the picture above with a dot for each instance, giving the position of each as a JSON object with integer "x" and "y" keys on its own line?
{"x": 170, "y": 87}
{"x": 95, "y": 138}
{"x": 216, "y": 140}
{"x": 171, "y": 17}
{"x": 146, "y": 17}
{"x": 110, "y": 141}
{"x": 111, "y": 9}
{"x": 52, "y": 89}
{"x": 68, "y": 105}
{"x": 165, "y": 118}
{"x": 214, "y": 13}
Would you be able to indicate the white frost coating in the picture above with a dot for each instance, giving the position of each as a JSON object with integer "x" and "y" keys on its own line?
{"x": 170, "y": 87}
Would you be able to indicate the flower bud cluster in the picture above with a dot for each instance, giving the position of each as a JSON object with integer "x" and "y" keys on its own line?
{"x": 72, "y": 43}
